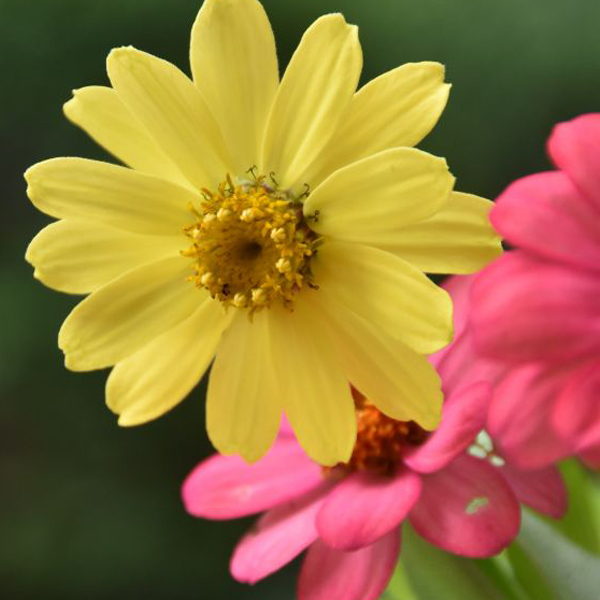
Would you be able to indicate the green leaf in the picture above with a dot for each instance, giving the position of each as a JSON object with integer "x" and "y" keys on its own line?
{"x": 550, "y": 566}
{"x": 581, "y": 524}
{"x": 527, "y": 574}
{"x": 426, "y": 573}
{"x": 399, "y": 588}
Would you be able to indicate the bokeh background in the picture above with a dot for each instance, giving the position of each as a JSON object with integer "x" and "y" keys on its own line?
{"x": 89, "y": 510}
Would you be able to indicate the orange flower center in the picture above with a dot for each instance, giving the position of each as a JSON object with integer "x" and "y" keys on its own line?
{"x": 380, "y": 440}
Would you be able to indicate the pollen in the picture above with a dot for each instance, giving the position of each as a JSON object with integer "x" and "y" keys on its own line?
{"x": 250, "y": 245}
{"x": 380, "y": 440}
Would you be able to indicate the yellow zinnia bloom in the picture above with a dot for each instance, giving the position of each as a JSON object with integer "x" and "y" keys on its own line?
{"x": 283, "y": 226}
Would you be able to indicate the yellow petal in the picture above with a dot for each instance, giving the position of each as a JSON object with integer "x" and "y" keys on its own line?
{"x": 109, "y": 194}
{"x": 398, "y": 108}
{"x": 172, "y": 110}
{"x": 78, "y": 257}
{"x": 400, "y": 382}
{"x": 101, "y": 114}
{"x": 124, "y": 315}
{"x": 314, "y": 93}
{"x": 387, "y": 292}
{"x": 234, "y": 64}
{"x": 370, "y": 200}
{"x": 314, "y": 390}
{"x": 150, "y": 382}
{"x": 243, "y": 403}
{"x": 458, "y": 239}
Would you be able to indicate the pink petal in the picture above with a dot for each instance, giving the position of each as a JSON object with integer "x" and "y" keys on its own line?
{"x": 226, "y": 487}
{"x": 364, "y": 507}
{"x": 278, "y": 537}
{"x": 459, "y": 288}
{"x": 577, "y": 413}
{"x": 546, "y": 214}
{"x": 575, "y": 148}
{"x": 285, "y": 429}
{"x": 543, "y": 489}
{"x": 468, "y": 509}
{"x": 458, "y": 363}
{"x": 329, "y": 574}
{"x": 520, "y": 413}
{"x": 527, "y": 309}
{"x": 591, "y": 457}
{"x": 463, "y": 418}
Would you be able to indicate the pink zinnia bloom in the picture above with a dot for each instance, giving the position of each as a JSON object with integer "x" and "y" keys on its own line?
{"x": 524, "y": 445}
{"x": 537, "y": 308}
{"x": 349, "y": 517}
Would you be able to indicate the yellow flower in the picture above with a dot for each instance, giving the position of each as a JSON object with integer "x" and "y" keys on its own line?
{"x": 282, "y": 225}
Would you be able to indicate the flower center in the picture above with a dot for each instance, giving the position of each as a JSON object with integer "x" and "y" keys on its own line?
{"x": 380, "y": 440}
{"x": 251, "y": 245}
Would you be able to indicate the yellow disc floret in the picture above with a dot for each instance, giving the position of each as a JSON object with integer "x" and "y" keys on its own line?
{"x": 251, "y": 245}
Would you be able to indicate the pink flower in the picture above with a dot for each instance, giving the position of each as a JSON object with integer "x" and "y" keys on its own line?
{"x": 536, "y": 310}
{"x": 516, "y": 421}
{"x": 349, "y": 517}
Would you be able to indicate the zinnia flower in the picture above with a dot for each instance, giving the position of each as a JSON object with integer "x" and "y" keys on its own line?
{"x": 283, "y": 226}
{"x": 536, "y": 310}
{"x": 349, "y": 517}
{"x": 526, "y": 453}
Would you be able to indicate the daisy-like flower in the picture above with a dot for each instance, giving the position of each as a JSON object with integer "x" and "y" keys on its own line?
{"x": 535, "y": 311}
{"x": 451, "y": 485}
{"x": 284, "y": 226}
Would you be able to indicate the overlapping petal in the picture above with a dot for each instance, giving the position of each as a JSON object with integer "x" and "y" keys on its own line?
{"x": 234, "y": 64}
{"x": 226, "y": 487}
{"x": 315, "y": 90}
{"x": 364, "y": 507}
{"x": 101, "y": 114}
{"x": 387, "y": 292}
{"x": 467, "y": 508}
{"x": 313, "y": 388}
{"x": 457, "y": 239}
{"x": 173, "y": 112}
{"x": 574, "y": 148}
{"x": 370, "y": 200}
{"x": 153, "y": 380}
{"x": 124, "y": 315}
{"x": 552, "y": 310}
{"x": 278, "y": 537}
{"x": 244, "y": 399}
{"x": 78, "y": 257}
{"x": 576, "y": 414}
{"x": 542, "y": 489}
{"x": 546, "y": 215}
{"x": 520, "y": 416}
{"x": 359, "y": 575}
{"x": 464, "y": 416}
{"x": 400, "y": 382}
{"x": 398, "y": 108}
{"x": 78, "y": 188}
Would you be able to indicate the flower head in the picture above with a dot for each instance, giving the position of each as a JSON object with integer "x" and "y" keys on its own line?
{"x": 535, "y": 311}
{"x": 283, "y": 226}
{"x": 451, "y": 485}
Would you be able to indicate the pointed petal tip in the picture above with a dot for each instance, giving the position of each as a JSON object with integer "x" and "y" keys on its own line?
{"x": 122, "y": 54}
{"x": 69, "y": 106}
{"x": 250, "y": 455}
{"x": 125, "y": 421}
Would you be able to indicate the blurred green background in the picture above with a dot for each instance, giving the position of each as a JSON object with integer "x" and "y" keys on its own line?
{"x": 89, "y": 510}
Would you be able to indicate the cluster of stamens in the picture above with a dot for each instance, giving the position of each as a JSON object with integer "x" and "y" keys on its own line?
{"x": 251, "y": 245}
{"x": 380, "y": 440}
